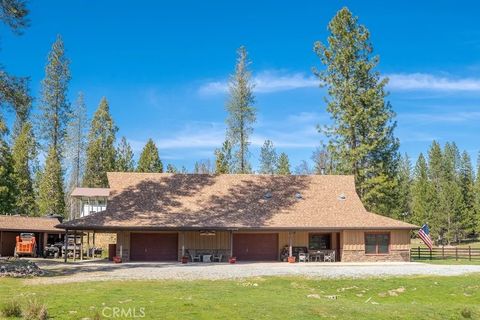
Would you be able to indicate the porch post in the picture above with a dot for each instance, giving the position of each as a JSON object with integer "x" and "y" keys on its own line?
{"x": 81, "y": 247}
{"x": 1, "y": 243}
{"x": 290, "y": 250}
{"x": 74, "y": 245}
{"x": 65, "y": 250}
{"x": 231, "y": 243}
{"x": 88, "y": 244}
{"x": 183, "y": 244}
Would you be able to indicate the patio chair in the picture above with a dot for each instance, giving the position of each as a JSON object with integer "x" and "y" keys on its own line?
{"x": 302, "y": 257}
{"x": 329, "y": 257}
{"x": 217, "y": 257}
{"x": 195, "y": 257}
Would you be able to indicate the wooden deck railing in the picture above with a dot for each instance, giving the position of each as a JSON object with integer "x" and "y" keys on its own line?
{"x": 442, "y": 253}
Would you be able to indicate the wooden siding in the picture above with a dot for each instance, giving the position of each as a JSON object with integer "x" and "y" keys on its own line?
{"x": 193, "y": 240}
{"x": 123, "y": 242}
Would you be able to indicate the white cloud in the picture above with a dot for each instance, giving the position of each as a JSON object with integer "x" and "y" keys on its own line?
{"x": 276, "y": 81}
{"x": 265, "y": 82}
{"x": 452, "y": 117}
{"x": 423, "y": 81}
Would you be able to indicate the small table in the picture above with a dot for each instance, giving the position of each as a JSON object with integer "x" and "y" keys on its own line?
{"x": 207, "y": 258}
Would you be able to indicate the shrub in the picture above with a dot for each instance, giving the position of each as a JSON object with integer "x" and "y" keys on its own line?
{"x": 466, "y": 313}
{"x": 11, "y": 309}
{"x": 35, "y": 311}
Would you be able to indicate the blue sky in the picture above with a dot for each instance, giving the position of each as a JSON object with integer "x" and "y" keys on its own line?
{"x": 163, "y": 67}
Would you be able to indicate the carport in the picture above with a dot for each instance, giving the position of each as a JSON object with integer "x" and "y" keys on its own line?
{"x": 43, "y": 228}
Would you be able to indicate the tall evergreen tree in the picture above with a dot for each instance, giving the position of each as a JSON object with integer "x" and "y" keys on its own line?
{"x": 23, "y": 155}
{"x": 51, "y": 195}
{"x": 101, "y": 147}
{"x": 283, "y": 165}
{"x": 54, "y": 106}
{"x": 467, "y": 186}
{"x": 241, "y": 112}
{"x": 149, "y": 159}
{"x": 477, "y": 195}
{"x": 404, "y": 183}
{"x": 223, "y": 158}
{"x": 8, "y": 190}
{"x": 268, "y": 158}
{"x": 361, "y": 136}
{"x": 77, "y": 142}
{"x": 124, "y": 157}
{"x": 422, "y": 195}
{"x": 451, "y": 197}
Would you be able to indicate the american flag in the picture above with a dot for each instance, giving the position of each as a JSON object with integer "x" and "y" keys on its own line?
{"x": 424, "y": 234}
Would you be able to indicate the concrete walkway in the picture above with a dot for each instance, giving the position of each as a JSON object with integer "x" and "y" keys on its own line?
{"x": 102, "y": 271}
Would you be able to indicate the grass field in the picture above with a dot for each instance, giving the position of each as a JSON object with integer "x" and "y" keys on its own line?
{"x": 259, "y": 298}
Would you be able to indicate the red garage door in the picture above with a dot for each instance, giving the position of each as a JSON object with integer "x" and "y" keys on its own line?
{"x": 153, "y": 247}
{"x": 255, "y": 246}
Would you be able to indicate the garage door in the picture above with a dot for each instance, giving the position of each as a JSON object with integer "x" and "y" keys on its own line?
{"x": 255, "y": 246}
{"x": 153, "y": 247}
{"x": 7, "y": 243}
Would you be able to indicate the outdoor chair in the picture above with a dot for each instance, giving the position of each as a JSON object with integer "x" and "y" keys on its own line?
{"x": 195, "y": 257}
{"x": 302, "y": 257}
{"x": 217, "y": 257}
{"x": 329, "y": 257}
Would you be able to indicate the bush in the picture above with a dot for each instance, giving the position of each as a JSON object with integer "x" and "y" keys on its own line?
{"x": 11, "y": 309}
{"x": 466, "y": 313}
{"x": 35, "y": 311}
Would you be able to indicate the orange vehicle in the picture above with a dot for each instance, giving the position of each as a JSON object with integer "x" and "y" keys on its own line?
{"x": 25, "y": 245}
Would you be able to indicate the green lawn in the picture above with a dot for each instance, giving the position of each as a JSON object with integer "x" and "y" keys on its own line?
{"x": 261, "y": 298}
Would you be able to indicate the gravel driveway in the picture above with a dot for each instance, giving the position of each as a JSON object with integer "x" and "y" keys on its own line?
{"x": 98, "y": 271}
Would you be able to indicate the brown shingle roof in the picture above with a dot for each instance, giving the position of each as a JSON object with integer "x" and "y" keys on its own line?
{"x": 162, "y": 201}
{"x": 90, "y": 192}
{"x": 29, "y": 224}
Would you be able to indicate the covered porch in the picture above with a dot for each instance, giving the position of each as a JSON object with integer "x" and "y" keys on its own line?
{"x": 219, "y": 245}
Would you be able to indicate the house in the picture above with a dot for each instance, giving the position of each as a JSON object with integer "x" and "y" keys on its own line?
{"x": 43, "y": 227}
{"x": 162, "y": 217}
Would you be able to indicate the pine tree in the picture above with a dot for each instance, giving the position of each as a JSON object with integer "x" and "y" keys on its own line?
{"x": 223, "y": 158}
{"x": 14, "y": 14}
{"x": 404, "y": 182}
{"x": 77, "y": 142}
{"x": 467, "y": 186}
{"x": 422, "y": 196}
{"x": 477, "y": 196}
{"x": 241, "y": 112}
{"x": 54, "y": 105}
{"x": 149, "y": 159}
{"x": 23, "y": 155}
{"x": 171, "y": 168}
{"x": 451, "y": 196}
{"x": 124, "y": 157}
{"x": 283, "y": 165}
{"x": 51, "y": 196}
{"x": 361, "y": 136}
{"x": 8, "y": 190}
{"x": 268, "y": 158}
{"x": 101, "y": 147}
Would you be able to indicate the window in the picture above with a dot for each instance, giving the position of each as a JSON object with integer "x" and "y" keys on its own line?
{"x": 377, "y": 243}
{"x": 319, "y": 242}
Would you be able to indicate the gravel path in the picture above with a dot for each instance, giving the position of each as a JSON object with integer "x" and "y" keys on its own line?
{"x": 102, "y": 271}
